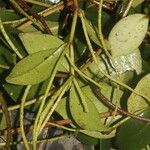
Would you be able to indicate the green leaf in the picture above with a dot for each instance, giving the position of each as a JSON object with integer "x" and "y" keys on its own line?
{"x": 136, "y": 102}
{"x": 83, "y": 119}
{"x": 35, "y": 68}
{"x": 128, "y": 34}
{"x": 35, "y": 42}
{"x": 133, "y": 134}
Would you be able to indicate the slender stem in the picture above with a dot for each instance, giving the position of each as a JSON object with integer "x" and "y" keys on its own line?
{"x": 45, "y": 111}
{"x": 84, "y": 75}
{"x": 73, "y": 27}
{"x": 9, "y": 41}
{"x": 76, "y": 3}
{"x": 4, "y": 67}
{"x": 52, "y": 109}
{"x": 100, "y": 34}
{"x": 127, "y": 8}
{"x": 48, "y": 110}
{"x": 29, "y": 102}
{"x": 40, "y": 126}
{"x": 63, "y": 49}
{"x": 15, "y": 4}
{"x": 85, "y": 107}
{"x": 60, "y": 126}
{"x": 22, "y": 116}
{"x": 47, "y": 12}
{"x": 87, "y": 37}
{"x": 41, "y": 141}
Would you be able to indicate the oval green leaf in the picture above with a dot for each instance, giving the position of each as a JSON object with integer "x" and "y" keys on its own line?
{"x": 90, "y": 120}
{"x": 136, "y": 102}
{"x": 128, "y": 34}
{"x": 35, "y": 68}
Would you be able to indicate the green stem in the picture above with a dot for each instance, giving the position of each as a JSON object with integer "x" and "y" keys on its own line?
{"x": 26, "y": 15}
{"x": 85, "y": 107}
{"x": 100, "y": 34}
{"x": 41, "y": 141}
{"x": 127, "y": 8}
{"x": 84, "y": 76}
{"x": 48, "y": 89}
{"x": 9, "y": 41}
{"x": 44, "y": 115}
{"x": 87, "y": 37}
{"x": 22, "y": 116}
{"x": 76, "y": 3}
{"x": 73, "y": 27}
{"x": 49, "y": 109}
{"x": 62, "y": 127}
{"x": 30, "y": 102}
{"x": 4, "y": 67}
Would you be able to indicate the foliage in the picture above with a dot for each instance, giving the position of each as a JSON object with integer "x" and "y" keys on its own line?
{"x": 84, "y": 61}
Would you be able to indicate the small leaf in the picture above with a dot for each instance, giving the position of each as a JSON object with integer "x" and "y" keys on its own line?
{"x": 136, "y": 102}
{"x": 35, "y": 68}
{"x": 90, "y": 120}
{"x": 134, "y": 134}
{"x": 128, "y": 34}
{"x": 35, "y": 42}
